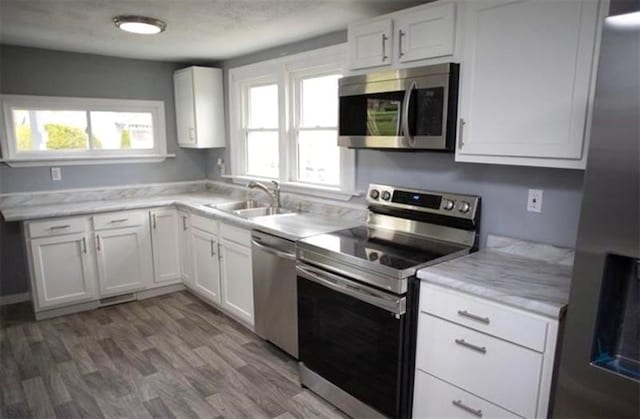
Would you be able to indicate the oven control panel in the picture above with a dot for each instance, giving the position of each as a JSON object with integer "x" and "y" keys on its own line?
{"x": 462, "y": 206}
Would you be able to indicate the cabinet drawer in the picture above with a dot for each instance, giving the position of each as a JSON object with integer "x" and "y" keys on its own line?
{"x": 205, "y": 224}
{"x": 119, "y": 220}
{"x": 488, "y": 317}
{"x": 56, "y": 227}
{"x": 235, "y": 234}
{"x": 436, "y": 399}
{"x": 501, "y": 372}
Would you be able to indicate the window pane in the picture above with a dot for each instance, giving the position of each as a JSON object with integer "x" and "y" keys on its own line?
{"x": 50, "y": 130}
{"x": 122, "y": 130}
{"x": 319, "y": 101}
{"x": 262, "y": 153}
{"x": 319, "y": 157}
{"x": 263, "y": 106}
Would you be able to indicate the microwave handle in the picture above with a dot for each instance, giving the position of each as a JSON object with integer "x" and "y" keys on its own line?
{"x": 405, "y": 113}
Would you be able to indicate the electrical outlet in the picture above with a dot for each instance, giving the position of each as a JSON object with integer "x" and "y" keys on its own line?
{"x": 56, "y": 173}
{"x": 534, "y": 203}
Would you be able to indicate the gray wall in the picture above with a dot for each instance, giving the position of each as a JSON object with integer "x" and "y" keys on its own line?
{"x": 44, "y": 72}
{"x": 503, "y": 189}
{"x": 34, "y": 71}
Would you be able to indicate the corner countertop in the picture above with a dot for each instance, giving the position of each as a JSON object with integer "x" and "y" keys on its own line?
{"x": 289, "y": 226}
{"x": 529, "y": 276}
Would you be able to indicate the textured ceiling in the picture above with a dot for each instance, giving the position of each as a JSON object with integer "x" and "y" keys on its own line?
{"x": 196, "y": 29}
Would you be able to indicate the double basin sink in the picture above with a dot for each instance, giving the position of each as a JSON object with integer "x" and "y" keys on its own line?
{"x": 248, "y": 209}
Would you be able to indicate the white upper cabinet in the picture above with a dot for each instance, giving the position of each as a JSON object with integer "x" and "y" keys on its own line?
{"x": 199, "y": 105}
{"x": 370, "y": 43}
{"x": 526, "y": 81}
{"x": 166, "y": 246}
{"x": 426, "y": 32}
{"x": 406, "y": 38}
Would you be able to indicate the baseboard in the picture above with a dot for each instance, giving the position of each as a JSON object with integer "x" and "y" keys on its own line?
{"x": 15, "y": 298}
{"x": 154, "y": 292}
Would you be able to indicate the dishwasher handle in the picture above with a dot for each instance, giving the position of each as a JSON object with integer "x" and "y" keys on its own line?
{"x": 274, "y": 252}
{"x": 396, "y": 305}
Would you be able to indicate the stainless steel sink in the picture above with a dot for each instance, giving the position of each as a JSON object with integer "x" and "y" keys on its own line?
{"x": 236, "y": 205}
{"x": 260, "y": 211}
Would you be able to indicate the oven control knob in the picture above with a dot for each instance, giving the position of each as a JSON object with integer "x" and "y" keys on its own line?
{"x": 374, "y": 194}
{"x": 449, "y": 204}
{"x": 465, "y": 207}
{"x": 386, "y": 195}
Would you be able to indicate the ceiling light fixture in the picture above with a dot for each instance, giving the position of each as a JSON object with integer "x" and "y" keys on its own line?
{"x": 139, "y": 24}
{"x": 625, "y": 21}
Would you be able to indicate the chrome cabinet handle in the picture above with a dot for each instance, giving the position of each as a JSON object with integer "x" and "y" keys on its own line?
{"x": 401, "y": 35}
{"x": 465, "y": 313}
{"x": 184, "y": 222}
{"x": 59, "y": 227}
{"x": 213, "y": 252}
{"x": 192, "y": 134}
{"x": 384, "y": 47}
{"x": 475, "y": 412}
{"x": 405, "y": 112}
{"x": 219, "y": 251}
{"x": 466, "y": 344}
{"x": 119, "y": 220}
{"x": 84, "y": 245}
{"x": 461, "y": 125}
{"x": 154, "y": 221}
{"x": 98, "y": 242}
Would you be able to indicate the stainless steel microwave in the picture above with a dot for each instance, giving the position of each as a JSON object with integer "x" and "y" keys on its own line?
{"x": 413, "y": 109}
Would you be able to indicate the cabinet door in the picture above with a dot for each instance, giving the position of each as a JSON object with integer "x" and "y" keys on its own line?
{"x": 206, "y": 265}
{"x": 124, "y": 260}
{"x": 166, "y": 246}
{"x": 237, "y": 280}
{"x": 370, "y": 43}
{"x": 426, "y": 33}
{"x": 186, "y": 259}
{"x": 62, "y": 270}
{"x": 526, "y": 78}
{"x": 185, "y": 103}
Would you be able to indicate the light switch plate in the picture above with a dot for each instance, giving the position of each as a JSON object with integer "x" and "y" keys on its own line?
{"x": 534, "y": 203}
{"x": 56, "y": 173}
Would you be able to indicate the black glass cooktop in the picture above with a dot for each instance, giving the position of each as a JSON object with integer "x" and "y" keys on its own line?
{"x": 381, "y": 246}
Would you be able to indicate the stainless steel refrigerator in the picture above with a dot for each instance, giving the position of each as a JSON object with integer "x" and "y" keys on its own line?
{"x": 599, "y": 368}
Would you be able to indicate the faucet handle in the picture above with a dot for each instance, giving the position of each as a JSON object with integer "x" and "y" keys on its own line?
{"x": 276, "y": 185}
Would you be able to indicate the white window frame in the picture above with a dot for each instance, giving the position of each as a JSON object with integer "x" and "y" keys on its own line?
{"x": 14, "y": 158}
{"x": 286, "y": 73}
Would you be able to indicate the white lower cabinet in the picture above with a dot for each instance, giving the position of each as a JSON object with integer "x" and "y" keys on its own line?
{"x": 237, "y": 280}
{"x": 438, "y": 399}
{"x": 206, "y": 265}
{"x": 473, "y": 358}
{"x": 186, "y": 254}
{"x": 166, "y": 246}
{"x": 123, "y": 259}
{"x": 62, "y": 270}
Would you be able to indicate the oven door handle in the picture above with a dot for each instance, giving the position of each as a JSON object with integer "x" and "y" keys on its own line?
{"x": 394, "y": 304}
{"x": 405, "y": 113}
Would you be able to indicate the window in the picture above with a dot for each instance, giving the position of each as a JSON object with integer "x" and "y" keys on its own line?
{"x": 284, "y": 123}
{"x": 46, "y": 129}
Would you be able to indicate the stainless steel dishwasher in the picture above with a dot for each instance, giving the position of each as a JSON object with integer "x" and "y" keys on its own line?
{"x": 275, "y": 290}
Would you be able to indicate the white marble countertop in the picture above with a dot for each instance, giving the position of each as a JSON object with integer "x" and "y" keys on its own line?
{"x": 524, "y": 275}
{"x": 289, "y": 226}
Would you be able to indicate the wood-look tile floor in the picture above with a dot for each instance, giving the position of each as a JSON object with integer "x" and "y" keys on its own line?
{"x": 169, "y": 356}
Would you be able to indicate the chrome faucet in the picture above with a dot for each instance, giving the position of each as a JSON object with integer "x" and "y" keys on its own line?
{"x": 273, "y": 194}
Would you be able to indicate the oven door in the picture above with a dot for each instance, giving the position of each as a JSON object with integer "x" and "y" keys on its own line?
{"x": 413, "y": 113}
{"x": 353, "y": 336}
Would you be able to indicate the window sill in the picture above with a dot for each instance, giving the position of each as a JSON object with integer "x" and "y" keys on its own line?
{"x": 300, "y": 188}
{"x": 85, "y": 160}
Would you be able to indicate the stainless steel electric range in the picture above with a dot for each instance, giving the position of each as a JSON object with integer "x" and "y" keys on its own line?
{"x": 358, "y": 296}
